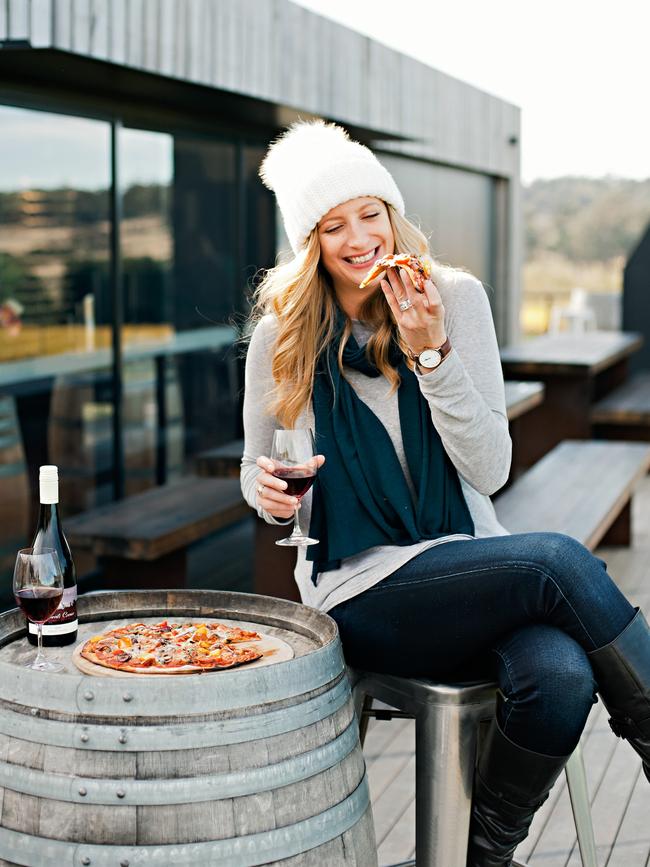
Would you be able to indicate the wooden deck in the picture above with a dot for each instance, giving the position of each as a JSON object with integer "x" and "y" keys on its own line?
{"x": 620, "y": 795}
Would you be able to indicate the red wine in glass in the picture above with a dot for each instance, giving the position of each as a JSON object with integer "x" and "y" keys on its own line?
{"x": 38, "y": 589}
{"x": 39, "y": 603}
{"x": 299, "y": 480}
{"x": 294, "y": 460}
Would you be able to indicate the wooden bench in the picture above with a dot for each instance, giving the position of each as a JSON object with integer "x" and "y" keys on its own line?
{"x": 142, "y": 541}
{"x": 522, "y": 397}
{"x": 522, "y": 402}
{"x": 583, "y": 489}
{"x": 223, "y": 461}
{"x": 625, "y": 412}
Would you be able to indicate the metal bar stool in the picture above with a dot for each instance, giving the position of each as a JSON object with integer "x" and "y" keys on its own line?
{"x": 447, "y": 718}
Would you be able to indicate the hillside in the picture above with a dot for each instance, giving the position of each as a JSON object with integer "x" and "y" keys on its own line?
{"x": 578, "y": 232}
{"x": 585, "y": 219}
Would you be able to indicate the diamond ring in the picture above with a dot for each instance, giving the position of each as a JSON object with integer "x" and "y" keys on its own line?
{"x": 260, "y": 489}
{"x": 405, "y": 304}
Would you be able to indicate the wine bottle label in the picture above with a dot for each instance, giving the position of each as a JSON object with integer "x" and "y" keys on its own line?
{"x": 65, "y": 615}
{"x": 55, "y": 629}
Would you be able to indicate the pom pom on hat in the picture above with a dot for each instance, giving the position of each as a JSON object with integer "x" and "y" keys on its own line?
{"x": 315, "y": 166}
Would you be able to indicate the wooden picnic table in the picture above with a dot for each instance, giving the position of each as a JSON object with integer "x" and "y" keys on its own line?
{"x": 576, "y": 370}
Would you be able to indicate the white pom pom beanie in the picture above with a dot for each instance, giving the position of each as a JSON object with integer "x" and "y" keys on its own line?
{"x": 315, "y": 166}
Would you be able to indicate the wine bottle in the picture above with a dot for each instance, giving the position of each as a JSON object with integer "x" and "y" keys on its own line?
{"x": 61, "y": 628}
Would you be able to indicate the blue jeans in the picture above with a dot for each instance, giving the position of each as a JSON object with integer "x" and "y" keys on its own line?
{"x": 523, "y": 610}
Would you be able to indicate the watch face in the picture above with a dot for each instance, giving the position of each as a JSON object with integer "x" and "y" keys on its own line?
{"x": 430, "y": 358}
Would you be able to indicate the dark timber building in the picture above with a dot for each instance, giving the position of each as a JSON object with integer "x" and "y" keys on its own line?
{"x": 132, "y": 219}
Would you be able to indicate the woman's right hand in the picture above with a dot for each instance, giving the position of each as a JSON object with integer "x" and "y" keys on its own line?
{"x": 270, "y": 490}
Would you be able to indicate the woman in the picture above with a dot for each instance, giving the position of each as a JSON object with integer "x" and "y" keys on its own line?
{"x": 412, "y": 562}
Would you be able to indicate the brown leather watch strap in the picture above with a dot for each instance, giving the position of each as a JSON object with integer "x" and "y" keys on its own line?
{"x": 444, "y": 350}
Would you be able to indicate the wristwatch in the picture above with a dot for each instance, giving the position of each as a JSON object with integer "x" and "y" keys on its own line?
{"x": 430, "y": 358}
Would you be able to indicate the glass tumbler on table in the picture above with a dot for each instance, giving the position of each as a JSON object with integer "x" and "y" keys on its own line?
{"x": 38, "y": 588}
{"x": 294, "y": 459}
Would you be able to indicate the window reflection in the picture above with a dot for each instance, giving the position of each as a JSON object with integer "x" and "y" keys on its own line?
{"x": 55, "y": 391}
{"x": 54, "y": 231}
{"x": 152, "y": 415}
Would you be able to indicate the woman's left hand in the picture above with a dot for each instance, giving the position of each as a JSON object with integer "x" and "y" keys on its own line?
{"x": 422, "y": 323}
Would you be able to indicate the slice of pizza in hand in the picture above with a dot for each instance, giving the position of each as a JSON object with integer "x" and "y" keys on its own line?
{"x": 419, "y": 270}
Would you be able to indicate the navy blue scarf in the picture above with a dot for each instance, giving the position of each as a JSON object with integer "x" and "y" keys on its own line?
{"x": 361, "y": 497}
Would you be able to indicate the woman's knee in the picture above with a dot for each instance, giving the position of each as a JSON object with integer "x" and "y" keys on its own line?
{"x": 558, "y": 553}
{"x": 543, "y": 666}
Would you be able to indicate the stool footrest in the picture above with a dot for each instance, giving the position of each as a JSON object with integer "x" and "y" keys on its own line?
{"x": 385, "y": 714}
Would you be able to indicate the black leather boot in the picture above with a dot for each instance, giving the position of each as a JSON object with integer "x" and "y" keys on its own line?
{"x": 510, "y": 784}
{"x": 622, "y": 671}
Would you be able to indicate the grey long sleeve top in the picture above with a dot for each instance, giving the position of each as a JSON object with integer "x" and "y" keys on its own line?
{"x": 467, "y": 402}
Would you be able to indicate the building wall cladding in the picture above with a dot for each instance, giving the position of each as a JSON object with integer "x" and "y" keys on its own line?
{"x": 278, "y": 51}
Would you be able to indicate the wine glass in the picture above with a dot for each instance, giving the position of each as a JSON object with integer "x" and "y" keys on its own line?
{"x": 294, "y": 461}
{"x": 38, "y": 589}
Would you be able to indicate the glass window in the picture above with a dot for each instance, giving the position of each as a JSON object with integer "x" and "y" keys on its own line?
{"x": 55, "y": 376}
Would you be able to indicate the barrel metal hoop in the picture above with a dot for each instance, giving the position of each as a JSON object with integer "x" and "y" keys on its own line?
{"x": 183, "y": 790}
{"x": 248, "y": 851}
{"x": 126, "y": 738}
{"x": 105, "y": 696}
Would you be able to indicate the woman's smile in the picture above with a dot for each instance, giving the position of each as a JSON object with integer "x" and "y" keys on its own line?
{"x": 365, "y": 260}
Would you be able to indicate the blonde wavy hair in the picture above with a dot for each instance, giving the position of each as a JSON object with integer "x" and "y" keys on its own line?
{"x": 300, "y": 295}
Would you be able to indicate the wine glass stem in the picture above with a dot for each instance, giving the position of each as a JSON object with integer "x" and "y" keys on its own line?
{"x": 296, "y": 523}
{"x": 39, "y": 652}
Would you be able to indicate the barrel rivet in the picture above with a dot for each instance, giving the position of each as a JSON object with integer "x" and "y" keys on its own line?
{"x": 89, "y": 695}
{"x": 124, "y": 863}
{"x": 85, "y": 860}
{"x": 120, "y": 793}
{"x": 122, "y": 738}
{"x": 127, "y": 696}
{"x": 34, "y": 711}
{"x": 83, "y": 792}
{"x": 84, "y": 738}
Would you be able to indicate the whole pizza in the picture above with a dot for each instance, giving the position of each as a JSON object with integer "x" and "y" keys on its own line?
{"x": 171, "y": 648}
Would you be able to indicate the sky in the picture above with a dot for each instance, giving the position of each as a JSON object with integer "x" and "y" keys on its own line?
{"x": 579, "y": 71}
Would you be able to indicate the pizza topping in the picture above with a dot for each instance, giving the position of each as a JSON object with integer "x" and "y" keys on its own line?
{"x": 164, "y": 646}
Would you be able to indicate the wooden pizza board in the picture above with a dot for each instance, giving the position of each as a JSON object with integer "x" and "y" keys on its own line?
{"x": 273, "y": 648}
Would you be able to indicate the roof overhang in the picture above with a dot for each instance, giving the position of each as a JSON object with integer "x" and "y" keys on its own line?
{"x": 99, "y": 88}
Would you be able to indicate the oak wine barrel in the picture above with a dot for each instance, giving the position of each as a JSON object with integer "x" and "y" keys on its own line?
{"x": 254, "y": 765}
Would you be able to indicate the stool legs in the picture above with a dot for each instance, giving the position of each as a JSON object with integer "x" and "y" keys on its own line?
{"x": 443, "y": 789}
{"x": 446, "y": 735}
{"x": 579, "y": 795}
